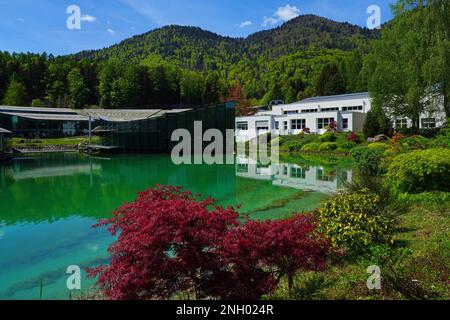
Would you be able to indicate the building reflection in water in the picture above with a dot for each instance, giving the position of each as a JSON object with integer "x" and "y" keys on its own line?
{"x": 304, "y": 177}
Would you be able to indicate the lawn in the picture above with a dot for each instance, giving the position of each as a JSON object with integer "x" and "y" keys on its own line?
{"x": 422, "y": 231}
{"x": 61, "y": 142}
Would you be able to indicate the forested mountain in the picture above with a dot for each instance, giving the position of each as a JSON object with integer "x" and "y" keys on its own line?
{"x": 188, "y": 66}
{"x": 197, "y": 49}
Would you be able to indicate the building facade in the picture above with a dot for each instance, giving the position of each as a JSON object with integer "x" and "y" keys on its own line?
{"x": 28, "y": 122}
{"x": 314, "y": 115}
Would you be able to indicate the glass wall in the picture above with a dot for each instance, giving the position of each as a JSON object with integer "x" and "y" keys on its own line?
{"x": 154, "y": 135}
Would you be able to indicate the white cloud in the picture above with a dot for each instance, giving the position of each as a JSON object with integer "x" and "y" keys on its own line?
{"x": 269, "y": 21}
{"x": 88, "y": 18}
{"x": 111, "y": 31}
{"x": 287, "y": 12}
{"x": 245, "y": 24}
{"x": 282, "y": 14}
{"x": 21, "y": 19}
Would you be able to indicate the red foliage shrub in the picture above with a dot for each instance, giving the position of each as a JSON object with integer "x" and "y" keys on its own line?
{"x": 332, "y": 126}
{"x": 307, "y": 130}
{"x": 353, "y": 137}
{"x": 280, "y": 248}
{"x": 170, "y": 242}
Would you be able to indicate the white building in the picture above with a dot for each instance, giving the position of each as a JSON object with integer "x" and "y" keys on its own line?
{"x": 348, "y": 111}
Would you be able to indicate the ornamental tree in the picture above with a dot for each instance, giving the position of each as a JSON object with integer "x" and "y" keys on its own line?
{"x": 277, "y": 248}
{"x": 169, "y": 242}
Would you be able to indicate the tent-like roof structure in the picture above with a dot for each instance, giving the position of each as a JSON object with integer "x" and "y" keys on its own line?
{"x": 127, "y": 115}
{"x": 65, "y": 114}
{"x": 4, "y": 131}
{"x": 48, "y": 116}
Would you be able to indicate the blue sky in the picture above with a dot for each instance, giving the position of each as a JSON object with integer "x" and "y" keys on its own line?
{"x": 40, "y": 25}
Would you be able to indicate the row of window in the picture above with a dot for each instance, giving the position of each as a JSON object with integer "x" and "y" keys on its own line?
{"x": 427, "y": 123}
{"x": 300, "y": 124}
{"x": 296, "y": 124}
{"x": 354, "y": 108}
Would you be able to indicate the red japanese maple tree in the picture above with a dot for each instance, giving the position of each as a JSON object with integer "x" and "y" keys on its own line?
{"x": 169, "y": 241}
{"x": 280, "y": 248}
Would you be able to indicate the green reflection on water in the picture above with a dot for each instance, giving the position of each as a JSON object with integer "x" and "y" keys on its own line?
{"x": 49, "y": 203}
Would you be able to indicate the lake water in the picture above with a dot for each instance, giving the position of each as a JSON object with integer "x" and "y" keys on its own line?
{"x": 48, "y": 204}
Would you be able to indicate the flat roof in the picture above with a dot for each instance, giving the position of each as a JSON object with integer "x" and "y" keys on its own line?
{"x": 350, "y": 96}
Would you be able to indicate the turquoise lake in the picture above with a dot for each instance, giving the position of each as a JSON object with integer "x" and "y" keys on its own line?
{"x": 49, "y": 203}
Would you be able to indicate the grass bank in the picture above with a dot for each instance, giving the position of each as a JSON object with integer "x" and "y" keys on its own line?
{"x": 72, "y": 142}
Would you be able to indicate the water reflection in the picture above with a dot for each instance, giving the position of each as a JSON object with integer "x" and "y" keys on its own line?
{"x": 318, "y": 178}
{"x": 49, "y": 203}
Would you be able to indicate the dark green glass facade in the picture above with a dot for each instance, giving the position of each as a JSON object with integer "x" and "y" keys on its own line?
{"x": 154, "y": 135}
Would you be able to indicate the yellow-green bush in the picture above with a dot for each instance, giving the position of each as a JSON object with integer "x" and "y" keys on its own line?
{"x": 328, "y": 136}
{"x": 378, "y": 145}
{"x": 420, "y": 171}
{"x": 328, "y": 146}
{"x": 354, "y": 221}
{"x": 311, "y": 147}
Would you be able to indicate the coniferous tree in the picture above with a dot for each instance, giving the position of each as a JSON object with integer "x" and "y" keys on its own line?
{"x": 330, "y": 81}
{"x": 376, "y": 123}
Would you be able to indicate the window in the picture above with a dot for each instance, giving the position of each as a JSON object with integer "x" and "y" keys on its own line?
{"x": 310, "y": 110}
{"x": 291, "y": 112}
{"x": 401, "y": 123}
{"x": 324, "y": 122}
{"x": 429, "y": 123}
{"x": 321, "y": 175}
{"x": 355, "y": 108}
{"x": 242, "y": 168}
{"x": 298, "y": 124}
{"x": 277, "y": 125}
{"x": 285, "y": 125}
{"x": 330, "y": 109}
{"x": 262, "y": 125}
{"x": 344, "y": 124}
{"x": 242, "y": 126}
{"x": 299, "y": 173}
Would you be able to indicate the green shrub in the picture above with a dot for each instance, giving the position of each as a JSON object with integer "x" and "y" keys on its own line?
{"x": 347, "y": 145}
{"x": 313, "y": 146}
{"x": 354, "y": 221}
{"x": 378, "y": 145}
{"x": 328, "y": 136}
{"x": 414, "y": 143}
{"x": 441, "y": 141}
{"x": 368, "y": 159}
{"x": 328, "y": 146}
{"x": 294, "y": 147}
{"x": 420, "y": 171}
